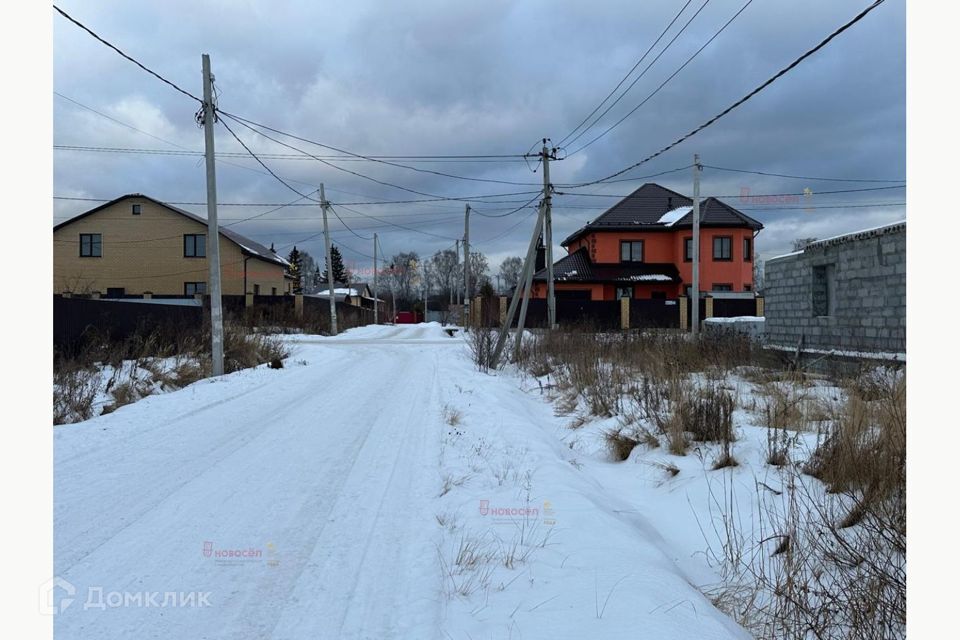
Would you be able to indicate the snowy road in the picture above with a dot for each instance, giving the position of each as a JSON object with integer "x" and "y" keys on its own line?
{"x": 302, "y": 468}
{"x": 352, "y": 495}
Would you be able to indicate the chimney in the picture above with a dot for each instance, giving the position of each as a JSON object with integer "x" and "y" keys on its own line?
{"x": 669, "y": 203}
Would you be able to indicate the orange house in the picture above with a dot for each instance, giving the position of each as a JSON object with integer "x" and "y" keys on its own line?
{"x": 641, "y": 248}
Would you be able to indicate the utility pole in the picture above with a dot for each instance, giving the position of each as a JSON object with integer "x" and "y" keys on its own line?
{"x": 375, "y": 278}
{"x": 527, "y": 269}
{"x": 546, "y": 154}
{"x": 466, "y": 260}
{"x": 695, "y": 288}
{"x": 456, "y": 288}
{"x": 213, "y": 228}
{"x": 326, "y": 242}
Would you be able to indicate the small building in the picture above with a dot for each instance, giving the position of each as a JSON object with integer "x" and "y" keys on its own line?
{"x": 642, "y": 248}
{"x": 357, "y": 294}
{"x": 845, "y": 294}
{"x": 136, "y": 244}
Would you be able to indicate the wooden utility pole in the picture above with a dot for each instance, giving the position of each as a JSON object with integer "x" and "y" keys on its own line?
{"x": 213, "y": 228}
{"x": 695, "y": 288}
{"x": 528, "y": 264}
{"x": 326, "y": 242}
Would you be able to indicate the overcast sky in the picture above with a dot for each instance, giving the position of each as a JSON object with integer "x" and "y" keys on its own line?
{"x": 478, "y": 78}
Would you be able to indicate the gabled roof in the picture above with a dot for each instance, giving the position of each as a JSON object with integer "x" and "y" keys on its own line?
{"x": 247, "y": 246}
{"x": 577, "y": 267}
{"x": 655, "y": 208}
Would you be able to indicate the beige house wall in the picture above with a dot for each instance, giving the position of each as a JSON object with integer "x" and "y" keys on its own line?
{"x": 145, "y": 253}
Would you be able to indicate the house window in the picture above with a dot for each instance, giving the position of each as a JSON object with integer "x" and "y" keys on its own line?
{"x": 748, "y": 287}
{"x": 135, "y": 210}
{"x": 722, "y": 248}
{"x": 115, "y": 292}
{"x": 194, "y": 245}
{"x": 822, "y": 290}
{"x": 631, "y": 251}
{"x": 624, "y": 292}
{"x": 748, "y": 249}
{"x": 722, "y": 287}
{"x": 688, "y": 249}
{"x": 91, "y": 245}
{"x": 256, "y": 289}
{"x": 193, "y": 288}
{"x": 273, "y": 291}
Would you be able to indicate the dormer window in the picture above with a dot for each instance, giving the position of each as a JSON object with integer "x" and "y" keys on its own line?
{"x": 135, "y": 210}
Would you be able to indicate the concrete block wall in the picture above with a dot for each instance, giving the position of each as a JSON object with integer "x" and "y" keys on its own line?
{"x": 869, "y": 291}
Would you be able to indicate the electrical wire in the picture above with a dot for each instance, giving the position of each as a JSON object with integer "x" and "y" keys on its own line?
{"x": 745, "y": 98}
{"x": 665, "y": 82}
{"x": 256, "y": 125}
{"x": 629, "y": 73}
{"x": 784, "y": 175}
{"x": 130, "y": 58}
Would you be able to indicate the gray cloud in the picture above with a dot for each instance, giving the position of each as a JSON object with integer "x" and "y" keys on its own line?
{"x": 451, "y": 78}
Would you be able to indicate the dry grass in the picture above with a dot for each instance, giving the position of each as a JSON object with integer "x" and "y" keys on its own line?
{"x": 75, "y": 389}
{"x": 621, "y": 444}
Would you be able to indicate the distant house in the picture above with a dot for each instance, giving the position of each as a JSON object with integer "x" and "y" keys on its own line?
{"x": 642, "y": 248}
{"x": 358, "y": 294}
{"x": 136, "y": 244}
{"x": 846, "y": 294}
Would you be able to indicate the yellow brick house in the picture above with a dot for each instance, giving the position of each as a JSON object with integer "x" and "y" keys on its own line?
{"x": 135, "y": 244}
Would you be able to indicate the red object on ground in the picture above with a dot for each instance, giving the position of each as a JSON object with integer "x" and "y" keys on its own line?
{"x": 406, "y": 317}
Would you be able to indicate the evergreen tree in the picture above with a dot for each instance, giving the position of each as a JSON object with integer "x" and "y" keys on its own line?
{"x": 340, "y": 273}
{"x": 317, "y": 279}
{"x": 296, "y": 269}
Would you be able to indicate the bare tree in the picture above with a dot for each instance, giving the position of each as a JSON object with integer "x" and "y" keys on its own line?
{"x": 510, "y": 271}
{"x": 801, "y": 243}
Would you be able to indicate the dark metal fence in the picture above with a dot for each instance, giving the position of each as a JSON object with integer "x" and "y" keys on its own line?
{"x": 654, "y": 314}
{"x": 77, "y": 320}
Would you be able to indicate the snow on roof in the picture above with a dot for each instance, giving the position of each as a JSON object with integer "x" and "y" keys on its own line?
{"x": 673, "y": 216}
{"x": 339, "y": 292}
{"x": 650, "y": 277}
{"x": 856, "y": 233}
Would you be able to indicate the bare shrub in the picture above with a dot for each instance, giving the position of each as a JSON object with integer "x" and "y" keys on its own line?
{"x": 75, "y": 389}
{"x": 482, "y": 342}
{"x": 451, "y": 415}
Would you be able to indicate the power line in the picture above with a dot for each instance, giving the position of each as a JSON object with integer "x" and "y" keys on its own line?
{"x": 251, "y": 124}
{"x": 232, "y": 154}
{"x": 262, "y": 163}
{"x": 740, "y": 195}
{"x": 130, "y": 58}
{"x": 784, "y": 175}
{"x": 665, "y": 82}
{"x": 745, "y": 98}
{"x": 624, "y": 79}
{"x": 511, "y": 212}
{"x": 129, "y": 126}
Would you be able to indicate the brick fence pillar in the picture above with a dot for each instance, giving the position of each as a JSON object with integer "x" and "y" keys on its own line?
{"x": 709, "y": 312}
{"x": 248, "y": 300}
{"x": 624, "y": 313}
{"x": 759, "y": 306}
{"x": 683, "y": 313}
{"x": 298, "y": 304}
{"x": 503, "y": 310}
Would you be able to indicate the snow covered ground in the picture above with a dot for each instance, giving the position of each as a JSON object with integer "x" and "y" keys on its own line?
{"x": 378, "y": 486}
